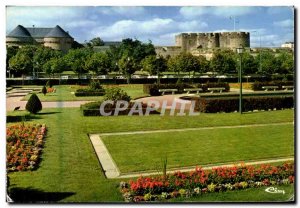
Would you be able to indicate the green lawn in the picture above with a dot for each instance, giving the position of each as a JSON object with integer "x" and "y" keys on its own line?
{"x": 64, "y": 93}
{"x": 199, "y": 147}
{"x": 70, "y": 171}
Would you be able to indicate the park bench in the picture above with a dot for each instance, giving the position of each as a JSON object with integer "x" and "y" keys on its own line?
{"x": 215, "y": 89}
{"x": 267, "y": 88}
{"x": 288, "y": 87}
{"x": 167, "y": 90}
{"x": 197, "y": 90}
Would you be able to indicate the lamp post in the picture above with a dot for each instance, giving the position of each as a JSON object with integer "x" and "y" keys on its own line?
{"x": 240, "y": 51}
{"x": 157, "y": 68}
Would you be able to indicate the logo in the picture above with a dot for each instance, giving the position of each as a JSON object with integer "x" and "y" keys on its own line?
{"x": 274, "y": 190}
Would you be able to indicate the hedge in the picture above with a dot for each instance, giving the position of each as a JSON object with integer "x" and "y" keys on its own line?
{"x": 153, "y": 89}
{"x": 93, "y": 109}
{"x": 88, "y": 92}
{"x": 214, "y": 105}
{"x": 256, "y": 86}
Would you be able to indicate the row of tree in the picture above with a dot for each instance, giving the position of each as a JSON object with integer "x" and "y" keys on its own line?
{"x": 133, "y": 55}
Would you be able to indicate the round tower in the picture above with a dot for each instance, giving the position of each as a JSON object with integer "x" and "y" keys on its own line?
{"x": 58, "y": 39}
{"x": 18, "y": 37}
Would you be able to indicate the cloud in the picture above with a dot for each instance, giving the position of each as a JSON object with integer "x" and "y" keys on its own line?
{"x": 122, "y": 10}
{"x": 147, "y": 29}
{"x": 288, "y": 23}
{"x": 192, "y": 12}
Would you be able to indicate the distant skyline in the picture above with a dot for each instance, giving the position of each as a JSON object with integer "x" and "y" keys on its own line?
{"x": 275, "y": 25}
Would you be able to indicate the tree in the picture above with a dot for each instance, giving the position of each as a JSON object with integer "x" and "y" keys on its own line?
{"x": 99, "y": 63}
{"x": 204, "y": 65}
{"x": 133, "y": 50}
{"x": 10, "y": 52}
{"x": 154, "y": 64}
{"x": 95, "y": 42}
{"x": 285, "y": 63}
{"x": 22, "y": 62}
{"x": 250, "y": 65}
{"x": 34, "y": 104}
{"x": 223, "y": 61}
{"x": 127, "y": 67}
{"x": 42, "y": 55}
{"x": 75, "y": 59}
{"x": 54, "y": 65}
{"x": 184, "y": 62}
{"x": 268, "y": 63}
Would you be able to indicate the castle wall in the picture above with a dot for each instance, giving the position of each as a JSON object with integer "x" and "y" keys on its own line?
{"x": 12, "y": 41}
{"x": 168, "y": 50}
{"x": 62, "y": 44}
{"x": 234, "y": 39}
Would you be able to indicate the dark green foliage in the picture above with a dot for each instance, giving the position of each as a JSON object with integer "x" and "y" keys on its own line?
{"x": 116, "y": 94}
{"x": 95, "y": 85}
{"x": 89, "y": 92}
{"x": 258, "y": 85}
{"x": 34, "y": 104}
{"x": 44, "y": 90}
{"x": 93, "y": 109}
{"x": 215, "y": 105}
{"x": 49, "y": 83}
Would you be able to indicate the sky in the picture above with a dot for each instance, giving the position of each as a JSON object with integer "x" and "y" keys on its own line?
{"x": 268, "y": 26}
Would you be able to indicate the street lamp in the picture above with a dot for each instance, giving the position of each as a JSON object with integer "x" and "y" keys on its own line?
{"x": 157, "y": 68}
{"x": 240, "y": 51}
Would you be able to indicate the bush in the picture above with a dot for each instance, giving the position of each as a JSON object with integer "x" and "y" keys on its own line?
{"x": 214, "y": 105}
{"x": 153, "y": 89}
{"x": 116, "y": 94}
{"x": 93, "y": 109}
{"x": 44, "y": 90}
{"x": 256, "y": 86}
{"x": 95, "y": 85}
{"x": 34, "y": 104}
{"x": 89, "y": 92}
{"x": 49, "y": 83}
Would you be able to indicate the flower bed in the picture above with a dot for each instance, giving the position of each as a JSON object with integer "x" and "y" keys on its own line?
{"x": 23, "y": 146}
{"x": 202, "y": 181}
{"x": 51, "y": 90}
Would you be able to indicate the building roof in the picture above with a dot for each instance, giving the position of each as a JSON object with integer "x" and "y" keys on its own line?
{"x": 39, "y": 32}
{"x": 19, "y": 32}
{"x": 58, "y": 32}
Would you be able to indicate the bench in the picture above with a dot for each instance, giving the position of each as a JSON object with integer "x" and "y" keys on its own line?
{"x": 167, "y": 90}
{"x": 288, "y": 87}
{"x": 214, "y": 89}
{"x": 266, "y": 88}
{"x": 197, "y": 90}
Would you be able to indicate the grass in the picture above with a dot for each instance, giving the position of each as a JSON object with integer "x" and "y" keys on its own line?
{"x": 64, "y": 93}
{"x": 201, "y": 147}
{"x": 69, "y": 170}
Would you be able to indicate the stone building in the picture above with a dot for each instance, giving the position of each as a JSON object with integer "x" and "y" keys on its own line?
{"x": 55, "y": 38}
{"x": 205, "y": 43}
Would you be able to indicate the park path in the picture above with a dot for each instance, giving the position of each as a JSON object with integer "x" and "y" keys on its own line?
{"x": 14, "y": 99}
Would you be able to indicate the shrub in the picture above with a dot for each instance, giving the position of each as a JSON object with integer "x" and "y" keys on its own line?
{"x": 88, "y": 92}
{"x": 44, "y": 90}
{"x": 34, "y": 104}
{"x": 116, "y": 94}
{"x": 256, "y": 86}
{"x": 231, "y": 104}
{"x": 95, "y": 85}
{"x": 49, "y": 83}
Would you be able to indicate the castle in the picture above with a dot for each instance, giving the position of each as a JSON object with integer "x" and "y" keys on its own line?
{"x": 197, "y": 43}
{"x": 55, "y": 38}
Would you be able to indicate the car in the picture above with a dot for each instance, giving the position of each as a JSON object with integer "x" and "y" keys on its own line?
{"x": 103, "y": 77}
{"x": 119, "y": 77}
{"x": 64, "y": 77}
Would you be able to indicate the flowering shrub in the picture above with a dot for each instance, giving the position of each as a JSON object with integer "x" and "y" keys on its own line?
{"x": 202, "y": 181}
{"x": 50, "y": 89}
{"x": 23, "y": 146}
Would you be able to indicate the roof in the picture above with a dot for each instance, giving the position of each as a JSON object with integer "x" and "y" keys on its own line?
{"x": 19, "y": 32}
{"x": 58, "y": 32}
{"x": 39, "y": 32}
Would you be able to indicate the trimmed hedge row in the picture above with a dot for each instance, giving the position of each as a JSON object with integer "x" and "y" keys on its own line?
{"x": 153, "y": 89}
{"x": 256, "y": 86}
{"x": 89, "y": 92}
{"x": 93, "y": 109}
{"x": 215, "y": 105}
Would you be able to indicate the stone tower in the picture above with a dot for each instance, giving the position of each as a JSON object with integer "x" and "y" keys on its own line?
{"x": 19, "y": 36}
